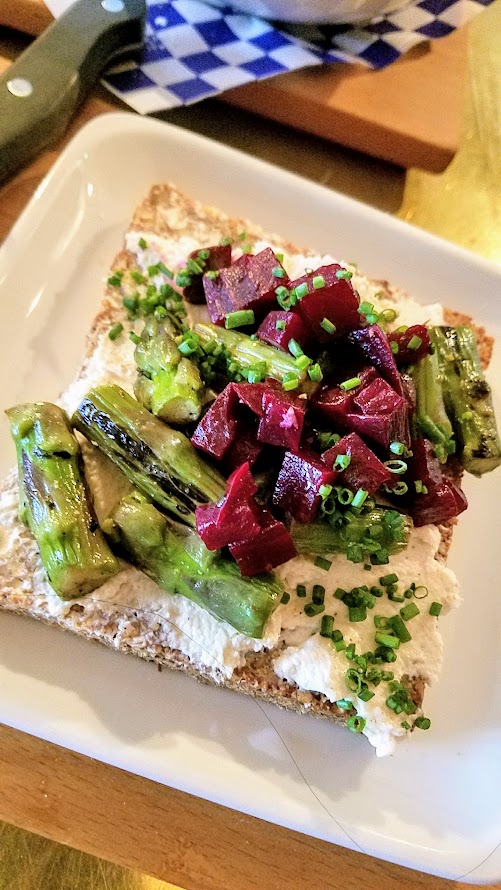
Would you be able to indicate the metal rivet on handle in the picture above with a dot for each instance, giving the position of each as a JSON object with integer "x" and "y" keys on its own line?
{"x": 113, "y": 5}
{"x": 20, "y": 87}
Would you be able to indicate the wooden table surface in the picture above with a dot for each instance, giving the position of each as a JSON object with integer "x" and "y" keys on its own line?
{"x": 116, "y": 815}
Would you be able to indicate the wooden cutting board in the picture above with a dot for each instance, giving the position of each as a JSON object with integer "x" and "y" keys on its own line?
{"x": 408, "y": 113}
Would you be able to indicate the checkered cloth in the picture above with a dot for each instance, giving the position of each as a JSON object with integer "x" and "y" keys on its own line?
{"x": 194, "y": 51}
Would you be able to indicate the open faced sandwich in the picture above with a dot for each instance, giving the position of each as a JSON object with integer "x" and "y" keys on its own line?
{"x": 255, "y": 475}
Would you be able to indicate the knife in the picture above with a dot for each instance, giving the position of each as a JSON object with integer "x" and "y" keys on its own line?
{"x": 40, "y": 92}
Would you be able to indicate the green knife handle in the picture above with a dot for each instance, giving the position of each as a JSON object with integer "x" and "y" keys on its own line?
{"x": 40, "y": 92}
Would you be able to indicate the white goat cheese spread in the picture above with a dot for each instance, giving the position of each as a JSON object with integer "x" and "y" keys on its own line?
{"x": 304, "y": 656}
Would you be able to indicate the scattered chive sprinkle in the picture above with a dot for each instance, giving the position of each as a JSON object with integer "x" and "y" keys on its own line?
{"x": 302, "y": 362}
{"x": 356, "y": 723}
{"x": 212, "y": 274}
{"x": 420, "y": 487}
{"x": 327, "y": 625}
{"x": 388, "y": 640}
{"x": 137, "y": 277}
{"x": 337, "y": 636}
{"x": 420, "y": 592}
{"x": 288, "y": 385}
{"x": 347, "y": 385}
{"x": 328, "y": 327}
{"x": 324, "y": 491}
{"x": 301, "y": 290}
{"x": 183, "y": 279}
{"x": 247, "y": 247}
{"x": 131, "y": 303}
{"x": 386, "y": 580}
{"x": 398, "y": 467}
{"x": 242, "y": 236}
{"x": 115, "y": 280}
{"x": 422, "y": 722}
{"x": 435, "y": 609}
{"x": 239, "y": 319}
{"x": 134, "y": 337}
{"x": 318, "y": 282}
{"x": 165, "y": 270}
{"x": 366, "y": 695}
{"x": 301, "y": 590}
{"x": 315, "y": 373}
{"x": 295, "y": 348}
{"x": 278, "y": 272}
{"x": 280, "y": 257}
{"x": 285, "y": 598}
{"x": 394, "y": 347}
{"x": 312, "y": 609}
{"x": 344, "y": 704}
{"x": 344, "y": 273}
{"x": 342, "y": 462}
{"x": 353, "y": 680}
{"x": 357, "y": 613}
{"x": 203, "y": 254}
{"x": 350, "y": 651}
{"x": 414, "y": 342}
{"x": 318, "y": 594}
{"x": 405, "y": 724}
{"x": 397, "y": 448}
{"x": 115, "y": 331}
{"x": 225, "y": 242}
{"x": 142, "y": 244}
{"x": 339, "y": 593}
{"x": 409, "y": 611}
{"x": 280, "y": 325}
{"x": 399, "y": 629}
{"x": 323, "y": 563}
{"x": 282, "y": 291}
{"x": 359, "y": 498}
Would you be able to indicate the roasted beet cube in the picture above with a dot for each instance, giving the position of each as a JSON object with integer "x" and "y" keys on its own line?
{"x": 249, "y": 283}
{"x": 335, "y": 300}
{"x": 299, "y": 481}
{"x": 410, "y": 345}
{"x": 383, "y": 429}
{"x": 378, "y": 397}
{"x": 208, "y": 259}
{"x": 271, "y": 547}
{"x": 364, "y": 470}
{"x": 239, "y": 487}
{"x": 218, "y": 528}
{"x": 441, "y": 503}
{"x": 373, "y": 344}
{"x": 251, "y": 394}
{"x": 282, "y": 421}
{"x": 245, "y": 447}
{"x": 335, "y": 403}
{"x": 218, "y": 427}
{"x": 290, "y": 327}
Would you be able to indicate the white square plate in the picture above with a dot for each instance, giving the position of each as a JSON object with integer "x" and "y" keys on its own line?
{"x": 435, "y": 805}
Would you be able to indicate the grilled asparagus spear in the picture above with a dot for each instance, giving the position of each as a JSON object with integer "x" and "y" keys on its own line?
{"x": 467, "y": 397}
{"x": 168, "y": 385}
{"x": 379, "y": 526}
{"x": 180, "y": 563}
{"x": 54, "y": 503}
{"x": 159, "y": 461}
{"x": 250, "y": 355}
{"x": 430, "y": 416}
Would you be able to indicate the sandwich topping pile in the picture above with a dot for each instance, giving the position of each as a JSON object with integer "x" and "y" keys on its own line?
{"x": 255, "y": 475}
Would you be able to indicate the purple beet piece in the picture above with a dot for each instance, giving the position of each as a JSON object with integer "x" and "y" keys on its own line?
{"x": 218, "y": 427}
{"x": 299, "y": 481}
{"x": 335, "y": 403}
{"x": 295, "y": 329}
{"x": 245, "y": 447}
{"x": 235, "y": 517}
{"x": 382, "y": 429}
{"x": 409, "y": 391}
{"x": 283, "y": 420}
{"x": 403, "y": 354}
{"x": 219, "y": 258}
{"x": 249, "y": 283}
{"x": 271, "y": 547}
{"x": 336, "y": 301}
{"x": 251, "y": 394}
{"x": 373, "y": 344}
{"x": 443, "y": 499}
{"x": 365, "y": 470}
{"x": 378, "y": 397}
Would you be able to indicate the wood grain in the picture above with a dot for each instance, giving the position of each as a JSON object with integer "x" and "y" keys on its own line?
{"x": 408, "y": 113}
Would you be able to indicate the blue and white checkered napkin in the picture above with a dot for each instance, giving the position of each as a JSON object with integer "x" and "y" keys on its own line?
{"x": 194, "y": 50}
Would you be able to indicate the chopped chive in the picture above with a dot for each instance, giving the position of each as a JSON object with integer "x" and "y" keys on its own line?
{"x": 318, "y": 282}
{"x": 415, "y": 342}
{"x": 300, "y": 590}
{"x": 328, "y": 327}
{"x": 356, "y": 723}
{"x": 301, "y": 290}
{"x": 183, "y": 279}
{"x": 420, "y": 487}
{"x": 347, "y": 385}
{"x": 394, "y": 347}
{"x": 131, "y": 303}
{"x": 242, "y": 236}
{"x": 397, "y": 448}
{"x": 420, "y": 592}
{"x": 353, "y": 680}
{"x": 337, "y": 636}
{"x": 422, "y": 723}
{"x": 203, "y": 254}
{"x": 387, "y": 580}
{"x": 396, "y": 466}
{"x": 350, "y": 651}
{"x": 344, "y": 704}
{"x": 115, "y": 280}
{"x": 285, "y": 598}
{"x": 239, "y": 319}
{"x": 359, "y": 498}
{"x": 135, "y": 339}
{"x": 115, "y": 331}
{"x": 339, "y": 593}
{"x": 399, "y": 629}
{"x": 212, "y": 274}
{"x": 142, "y": 244}
{"x": 280, "y": 257}
{"x": 376, "y": 591}
{"x": 409, "y": 611}
{"x": 295, "y": 348}
{"x": 342, "y": 462}
{"x": 315, "y": 373}
{"x": 137, "y": 277}
{"x": 288, "y": 385}
{"x": 344, "y": 273}
{"x": 280, "y": 325}
{"x": 388, "y": 640}
{"x": 388, "y": 315}
{"x": 357, "y": 613}
{"x": 318, "y": 594}
{"x": 282, "y": 291}
{"x": 327, "y": 625}
{"x": 366, "y": 694}
{"x": 435, "y": 609}
{"x": 278, "y": 272}
{"x": 165, "y": 270}
{"x": 225, "y": 242}
{"x": 312, "y": 609}
{"x": 405, "y": 724}
{"x": 302, "y": 362}
{"x": 339, "y": 645}
{"x": 322, "y": 563}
